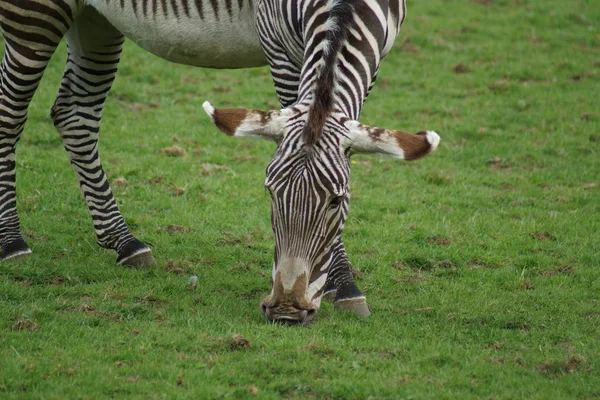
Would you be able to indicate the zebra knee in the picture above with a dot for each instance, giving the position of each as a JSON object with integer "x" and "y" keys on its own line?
{"x": 10, "y": 135}
{"x": 78, "y": 129}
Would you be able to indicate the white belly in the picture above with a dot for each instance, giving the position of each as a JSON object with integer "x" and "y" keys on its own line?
{"x": 230, "y": 42}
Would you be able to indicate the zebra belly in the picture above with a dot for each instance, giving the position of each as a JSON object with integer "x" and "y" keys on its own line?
{"x": 198, "y": 36}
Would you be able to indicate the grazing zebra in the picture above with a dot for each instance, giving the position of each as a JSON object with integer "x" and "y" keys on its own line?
{"x": 324, "y": 57}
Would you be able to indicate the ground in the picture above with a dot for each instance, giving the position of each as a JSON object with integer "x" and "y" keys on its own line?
{"x": 480, "y": 262}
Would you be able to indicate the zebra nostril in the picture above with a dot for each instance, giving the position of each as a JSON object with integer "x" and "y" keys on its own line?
{"x": 310, "y": 315}
{"x": 263, "y": 309}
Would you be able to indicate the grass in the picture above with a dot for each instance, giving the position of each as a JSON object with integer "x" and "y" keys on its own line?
{"x": 480, "y": 262}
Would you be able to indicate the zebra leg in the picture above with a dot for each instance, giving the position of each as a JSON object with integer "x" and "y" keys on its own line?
{"x": 340, "y": 286}
{"x": 94, "y": 49}
{"x": 32, "y": 31}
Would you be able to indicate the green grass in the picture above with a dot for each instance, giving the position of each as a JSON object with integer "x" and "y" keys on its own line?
{"x": 480, "y": 262}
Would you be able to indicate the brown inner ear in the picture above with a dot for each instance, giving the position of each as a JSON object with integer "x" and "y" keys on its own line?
{"x": 414, "y": 146}
{"x": 228, "y": 119}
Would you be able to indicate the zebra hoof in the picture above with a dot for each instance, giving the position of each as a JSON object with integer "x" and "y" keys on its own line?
{"x": 139, "y": 260}
{"x": 136, "y": 254}
{"x": 357, "y": 305}
{"x": 15, "y": 250}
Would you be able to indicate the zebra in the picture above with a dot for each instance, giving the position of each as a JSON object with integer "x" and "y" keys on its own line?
{"x": 324, "y": 57}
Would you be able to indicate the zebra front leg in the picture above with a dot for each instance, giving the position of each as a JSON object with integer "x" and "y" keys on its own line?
{"x": 29, "y": 42}
{"x": 340, "y": 286}
{"x": 94, "y": 49}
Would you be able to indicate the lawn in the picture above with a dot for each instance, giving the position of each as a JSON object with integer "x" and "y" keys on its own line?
{"x": 481, "y": 262}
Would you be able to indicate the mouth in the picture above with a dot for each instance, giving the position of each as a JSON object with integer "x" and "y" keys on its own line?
{"x": 288, "y": 315}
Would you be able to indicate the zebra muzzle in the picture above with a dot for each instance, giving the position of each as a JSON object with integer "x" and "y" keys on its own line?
{"x": 288, "y": 315}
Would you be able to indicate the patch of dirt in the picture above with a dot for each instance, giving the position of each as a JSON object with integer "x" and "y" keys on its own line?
{"x": 417, "y": 277}
{"x": 564, "y": 270}
{"x": 34, "y": 236}
{"x": 173, "y": 268}
{"x": 527, "y": 285}
{"x": 400, "y": 265}
{"x": 587, "y": 117}
{"x": 56, "y": 281}
{"x": 408, "y": 47}
{"x": 221, "y": 89}
{"x": 320, "y": 350}
{"x": 553, "y": 369}
{"x": 209, "y": 169}
{"x": 495, "y": 346}
{"x": 591, "y": 317}
{"x": 150, "y": 298}
{"x": 237, "y": 342}
{"x": 87, "y": 309}
{"x": 26, "y": 325}
{"x": 126, "y": 102}
{"x": 441, "y": 240}
{"x": 517, "y": 325}
{"x": 446, "y": 264}
{"x": 119, "y": 182}
{"x": 499, "y": 85}
{"x": 536, "y": 40}
{"x": 253, "y": 390}
{"x": 175, "y": 229}
{"x": 499, "y": 164}
{"x": 461, "y": 69}
{"x": 173, "y": 151}
{"x": 588, "y": 186}
{"x": 543, "y": 236}
{"x": 244, "y": 158}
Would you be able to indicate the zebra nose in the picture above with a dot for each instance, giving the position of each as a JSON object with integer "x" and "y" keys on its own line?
{"x": 289, "y": 316}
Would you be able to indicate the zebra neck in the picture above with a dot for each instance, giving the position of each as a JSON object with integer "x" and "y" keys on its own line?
{"x": 342, "y": 54}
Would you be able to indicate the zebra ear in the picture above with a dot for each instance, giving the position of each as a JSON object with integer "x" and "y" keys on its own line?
{"x": 247, "y": 122}
{"x": 398, "y": 144}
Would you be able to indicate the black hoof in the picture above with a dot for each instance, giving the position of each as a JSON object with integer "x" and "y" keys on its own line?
{"x": 357, "y": 305}
{"x": 136, "y": 254}
{"x": 15, "y": 250}
{"x": 349, "y": 297}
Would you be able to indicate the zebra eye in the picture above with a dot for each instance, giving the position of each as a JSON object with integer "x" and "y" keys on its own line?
{"x": 336, "y": 201}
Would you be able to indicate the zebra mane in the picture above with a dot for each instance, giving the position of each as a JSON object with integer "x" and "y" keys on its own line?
{"x": 341, "y": 15}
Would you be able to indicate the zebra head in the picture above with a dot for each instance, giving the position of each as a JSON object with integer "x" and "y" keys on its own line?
{"x": 308, "y": 182}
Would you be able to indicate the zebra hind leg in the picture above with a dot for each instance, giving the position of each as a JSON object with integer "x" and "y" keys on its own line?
{"x": 32, "y": 30}
{"x": 340, "y": 286}
{"x": 94, "y": 49}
